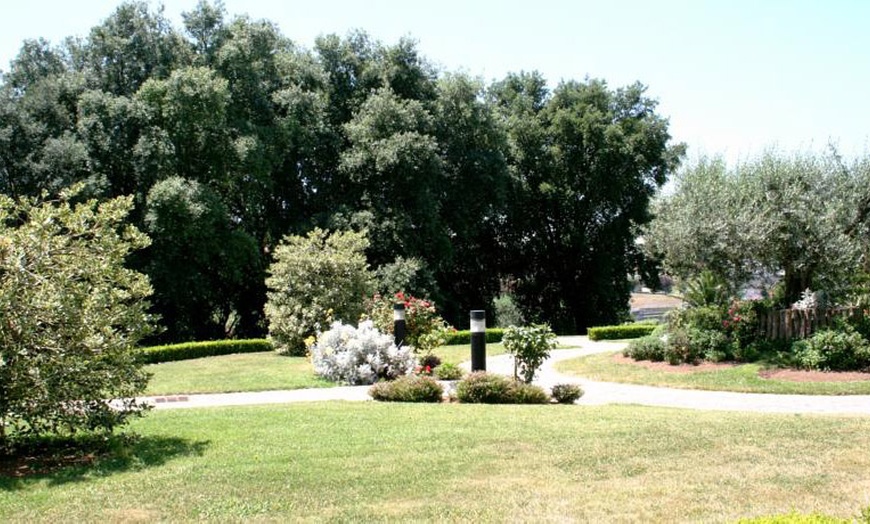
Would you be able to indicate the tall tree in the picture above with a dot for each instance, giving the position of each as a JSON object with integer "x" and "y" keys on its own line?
{"x": 207, "y": 276}
{"x": 472, "y": 195}
{"x": 586, "y": 161}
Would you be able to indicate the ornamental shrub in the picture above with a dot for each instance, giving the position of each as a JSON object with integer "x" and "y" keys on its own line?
{"x": 360, "y": 355}
{"x": 481, "y": 387}
{"x": 566, "y": 393}
{"x": 71, "y": 315}
{"x": 430, "y": 361}
{"x": 425, "y": 330}
{"x": 530, "y": 347}
{"x": 651, "y": 347}
{"x": 409, "y": 388}
{"x": 313, "y": 278}
{"x": 834, "y": 350}
{"x": 449, "y": 371}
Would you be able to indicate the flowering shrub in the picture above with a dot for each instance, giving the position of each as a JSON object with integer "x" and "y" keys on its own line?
{"x": 359, "y": 355}
{"x": 741, "y": 325}
{"x": 424, "y": 328}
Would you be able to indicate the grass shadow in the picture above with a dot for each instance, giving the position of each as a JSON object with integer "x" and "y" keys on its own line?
{"x": 61, "y": 461}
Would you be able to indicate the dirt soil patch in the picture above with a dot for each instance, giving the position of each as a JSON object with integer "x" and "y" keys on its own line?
{"x": 789, "y": 375}
{"x": 797, "y": 375}
{"x": 679, "y": 368}
{"x": 653, "y": 300}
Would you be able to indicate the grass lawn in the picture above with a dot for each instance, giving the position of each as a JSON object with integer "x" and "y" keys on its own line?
{"x": 411, "y": 462}
{"x": 259, "y": 372}
{"x": 460, "y": 354}
{"x": 742, "y": 378}
{"x": 227, "y": 373}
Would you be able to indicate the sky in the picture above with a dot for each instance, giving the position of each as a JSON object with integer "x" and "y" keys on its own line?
{"x": 735, "y": 77}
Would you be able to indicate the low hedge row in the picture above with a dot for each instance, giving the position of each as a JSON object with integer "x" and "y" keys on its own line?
{"x": 620, "y": 332}
{"x": 458, "y": 338}
{"x": 190, "y": 350}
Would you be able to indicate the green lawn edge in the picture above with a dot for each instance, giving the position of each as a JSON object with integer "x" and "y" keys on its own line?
{"x": 742, "y": 378}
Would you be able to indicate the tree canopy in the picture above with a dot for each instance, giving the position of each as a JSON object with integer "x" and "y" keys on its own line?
{"x": 229, "y": 136}
{"x": 801, "y": 216}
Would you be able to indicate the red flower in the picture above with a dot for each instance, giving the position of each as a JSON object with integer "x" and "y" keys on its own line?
{"x": 428, "y": 369}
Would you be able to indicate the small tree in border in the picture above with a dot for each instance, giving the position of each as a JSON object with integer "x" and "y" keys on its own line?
{"x": 530, "y": 346}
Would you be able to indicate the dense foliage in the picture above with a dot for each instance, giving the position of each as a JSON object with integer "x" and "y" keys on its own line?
{"x": 408, "y": 388}
{"x": 314, "y": 279}
{"x": 359, "y": 355}
{"x": 530, "y": 347}
{"x": 230, "y": 137}
{"x": 72, "y": 315}
{"x": 489, "y": 388}
{"x": 731, "y": 228}
{"x": 425, "y": 330}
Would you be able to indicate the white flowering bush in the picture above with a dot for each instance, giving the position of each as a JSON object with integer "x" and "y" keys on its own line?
{"x": 359, "y": 355}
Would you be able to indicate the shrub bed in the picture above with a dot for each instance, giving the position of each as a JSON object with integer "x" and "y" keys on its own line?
{"x": 620, "y": 332}
{"x": 566, "y": 393}
{"x": 458, "y": 338}
{"x": 488, "y": 388}
{"x": 409, "y": 388}
{"x": 212, "y": 348}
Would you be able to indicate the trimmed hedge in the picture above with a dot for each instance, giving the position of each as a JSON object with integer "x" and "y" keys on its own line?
{"x": 620, "y": 332}
{"x": 191, "y": 350}
{"x": 458, "y": 338}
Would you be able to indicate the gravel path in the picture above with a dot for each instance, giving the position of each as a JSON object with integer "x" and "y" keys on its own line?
{"x": 596, "y": 393}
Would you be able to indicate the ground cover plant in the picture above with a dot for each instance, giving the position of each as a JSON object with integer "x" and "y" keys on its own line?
{"x": 240, "y": 372}
{"x": 401, "y": 462}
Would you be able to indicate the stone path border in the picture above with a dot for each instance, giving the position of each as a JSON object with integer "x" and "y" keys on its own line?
{"x": 596, "y": 393}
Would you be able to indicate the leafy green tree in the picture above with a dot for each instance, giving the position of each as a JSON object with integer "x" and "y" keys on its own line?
{"x": 206, "y": 274}
{"x": 313, "y": 279}
{"x": 585, "y": 162}
{"x": 130, "y": 47}
{"x": 474, "y": 150}
{"x": 72, "y": 316}
{"x": 394, "y": 166}
{"x": 803, "y": 215}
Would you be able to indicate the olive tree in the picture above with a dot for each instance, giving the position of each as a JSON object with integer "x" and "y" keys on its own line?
{"x": 72, "y": 314}
{"x": 313, "y": 278}
{"x": 801, "y": 216}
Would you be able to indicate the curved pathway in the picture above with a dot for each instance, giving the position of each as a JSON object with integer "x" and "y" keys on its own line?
{"x": 596, "y": 393}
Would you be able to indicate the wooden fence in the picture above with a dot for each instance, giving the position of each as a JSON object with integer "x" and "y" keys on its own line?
{"x": 788, "y": 324}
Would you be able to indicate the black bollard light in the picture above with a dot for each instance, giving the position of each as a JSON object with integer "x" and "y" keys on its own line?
{"x": 399, "y": 323}
{"x": 478, "y": 340}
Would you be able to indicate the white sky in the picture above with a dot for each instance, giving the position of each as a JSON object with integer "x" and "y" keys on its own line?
{"x": 734, "y": 77}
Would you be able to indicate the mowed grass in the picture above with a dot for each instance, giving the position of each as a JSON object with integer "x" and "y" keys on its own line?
{"x": 228, "y": 373}
{"x": 462, "y": 353}
{"x": 741, "y": 378}
{"x": 363, "y": 462}
{"x": 259, "y": 372}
